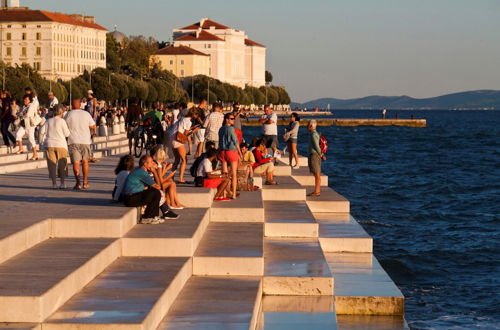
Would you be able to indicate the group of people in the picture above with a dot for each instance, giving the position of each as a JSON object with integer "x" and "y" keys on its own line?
{"x": 223, "y": 160}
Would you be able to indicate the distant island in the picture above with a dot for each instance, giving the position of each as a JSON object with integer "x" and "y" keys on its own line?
{"x": 471, "y": 100}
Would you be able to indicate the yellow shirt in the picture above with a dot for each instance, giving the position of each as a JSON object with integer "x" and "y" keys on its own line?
{"x": 249, "y": 157}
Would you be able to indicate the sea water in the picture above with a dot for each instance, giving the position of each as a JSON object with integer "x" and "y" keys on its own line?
{"x": 430, "y": 197}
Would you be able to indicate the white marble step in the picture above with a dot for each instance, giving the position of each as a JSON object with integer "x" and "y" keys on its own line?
{"x": 38, "y": 281}
{"x": 132, "y": 293}
{"x": 216, "y": 303}
{"x": 289, "y": 219}
{"x": 247, "y": 208}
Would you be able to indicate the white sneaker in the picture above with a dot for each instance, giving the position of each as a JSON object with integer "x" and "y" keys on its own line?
{"x": 62, "y": 186}
{"x": 296, "y": 167}
{"x": 54, "y": 186}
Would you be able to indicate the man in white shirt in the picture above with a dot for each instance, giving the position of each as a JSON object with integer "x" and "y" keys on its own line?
{"x": 213, "y": 123}
{"x": 53, "y": 101}
{"x": 269, "y": 123}
{"x": 53, "y": 135}
{"x": 80, "y": 124}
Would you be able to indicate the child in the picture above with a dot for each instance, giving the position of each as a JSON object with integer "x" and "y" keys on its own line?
{"x": 211, "y": 180}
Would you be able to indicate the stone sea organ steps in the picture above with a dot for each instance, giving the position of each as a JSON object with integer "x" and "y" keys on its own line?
{"x": 247, "y": 208}
{"x": 371, "y": 322}
{"x": 289, "y": 219}
{"x": 329, "y": 202}
{"x": 38, "y": 281}
{"x": 230, "y": 249}
{"x": 342, "y": 233}
{"x": 132, "y": 293}
{"x": 216, "y": 303}
{"x": 195, "y": 197}
{"x": 297, "y": 312}
{"x": 295, "y": 267}
{"x": 305, "y": 178}
{"x": 288, "y": 189}
{"x": 175, "y": 238}
{"x": 362, "y": 287}
{"x": 302, "y": 160}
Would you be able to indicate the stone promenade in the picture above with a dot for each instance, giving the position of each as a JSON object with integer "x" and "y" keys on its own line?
{"x": 273, "y": 259}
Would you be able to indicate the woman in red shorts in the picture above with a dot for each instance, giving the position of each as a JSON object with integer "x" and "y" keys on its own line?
{"x": 210, "y": 180}
{"x": 229, "y": 150}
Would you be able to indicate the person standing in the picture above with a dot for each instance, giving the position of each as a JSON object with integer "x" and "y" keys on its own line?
{"x": 291, "y": 137}
{"x": 179, "y": 133}
{"x": 269, "y": 123}
{"x": 229, "y": 150}
{"x": 28, "y": 125}
{"x": 213, "y": 123}
{"x": 53, "y": 135}
{"x": 132, "y": 121}
{"x": 80, "y": 124}
{"x": 238, "y": 126}
{"x": 199, "y": 135}
{"x": 53, "y": 101}
{"x": 6, "y": 120}
{"x": 315, "y": 157}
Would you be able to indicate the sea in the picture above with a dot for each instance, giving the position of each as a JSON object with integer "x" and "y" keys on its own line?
{"x": 430, "y": 198}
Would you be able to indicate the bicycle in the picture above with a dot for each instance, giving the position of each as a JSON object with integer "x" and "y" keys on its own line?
{"x": 145, "y": 138}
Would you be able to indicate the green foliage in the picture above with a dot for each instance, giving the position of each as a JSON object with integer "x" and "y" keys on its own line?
{"x": 269, "y": 77}
{"x": 113, "y": 58}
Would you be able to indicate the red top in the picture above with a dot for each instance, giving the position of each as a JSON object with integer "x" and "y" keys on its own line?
{"x": 259, "y": 158}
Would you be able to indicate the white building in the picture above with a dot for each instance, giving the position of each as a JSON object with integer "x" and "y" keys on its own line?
{"x": 59, "y": 46}
{"x": 234, "y": 58}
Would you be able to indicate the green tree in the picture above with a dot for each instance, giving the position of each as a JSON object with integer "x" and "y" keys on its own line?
{"x": 269, "y": 77}
{"x": 113, "y": 58}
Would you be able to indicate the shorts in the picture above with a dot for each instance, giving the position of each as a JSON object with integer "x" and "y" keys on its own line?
{"x": 131, "y": 131}
{"x": 314, "y": 163}
{"x": 292, "y": 140}
{"x": 228, "y": 156}
{"x": 79, "y": 152}
{"x": 212, "y": 183}
{"x": 271, "y": 141}
{"x": 199, "y": 136}
{"x": 264, "y": 168}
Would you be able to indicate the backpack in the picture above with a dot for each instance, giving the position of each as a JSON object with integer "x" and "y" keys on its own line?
{"x": 194, "y": 168}
{"x": 323, "y": 144}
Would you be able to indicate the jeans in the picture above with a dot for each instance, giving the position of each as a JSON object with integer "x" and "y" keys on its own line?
{"x": 7, "y": 135}
{"x": 150, "y": 197}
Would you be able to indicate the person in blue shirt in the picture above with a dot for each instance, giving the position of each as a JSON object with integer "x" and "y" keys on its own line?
{"x": 141, "y": 189}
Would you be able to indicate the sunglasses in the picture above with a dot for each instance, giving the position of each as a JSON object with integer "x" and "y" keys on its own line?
{"x": 231, "y": 118}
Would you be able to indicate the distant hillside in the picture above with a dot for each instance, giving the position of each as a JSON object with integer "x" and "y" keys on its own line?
{"x": 466, "y": 100}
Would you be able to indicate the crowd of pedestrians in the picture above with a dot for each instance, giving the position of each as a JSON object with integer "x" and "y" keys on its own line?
{"x": 214, "y": 139}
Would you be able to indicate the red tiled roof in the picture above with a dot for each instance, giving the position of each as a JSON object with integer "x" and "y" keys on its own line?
{"x": 203, "y": 35}
{"x": 179, "y": 50}
{"x": 27, "y": 15}
{"x": 249, "y": 42}
{"x": 206, "y": 25}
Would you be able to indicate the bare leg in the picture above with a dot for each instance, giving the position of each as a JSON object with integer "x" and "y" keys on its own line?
{"x": 222, "y": 188}
{"x": 182, "y": 154}
{"x": 76, "y": 171}
{"x": 20, "y": 144}
{"x": 35, "y": 152}
{"x": 177, "y": 159}
{"x": 290, "y": 154}
{"x": 224, "y": 167}
{"x": 317, "y": 183}
{"x": 199, "y": 149}
{"x": 295, "y": 155}
{"x": 234, "y": 181}
{"x": 85, "y": 166}
{"x": 190, "y": 145}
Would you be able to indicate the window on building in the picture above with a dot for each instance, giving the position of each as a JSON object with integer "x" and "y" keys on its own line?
{"x": 38, "y": 51}
{"x": 25, "y": 36}
{"x": 9, "y": 51}
{"x": 182, "y": 72}
{"x": 209, "y": 46}
{"x": 182, "y": 62}
{"x": 171, "y": 71}
{"x": 37, "y": 66}
{"x": 171, "y": 62}
{"x": 23, "y": 51}
{"x": 9, "y": 36}
{"x": 38, "y": 26}
{"x": 38, "y": 36}
{"x": 9, "y": 26}
{"x": 24, "y": 26}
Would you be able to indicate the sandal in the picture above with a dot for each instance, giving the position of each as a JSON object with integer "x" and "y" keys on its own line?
{"x": 85, "y": 186}
{"x": 271, "y": 183}
{"x": 77, "y": 187}
{"x": 314, "y": 194}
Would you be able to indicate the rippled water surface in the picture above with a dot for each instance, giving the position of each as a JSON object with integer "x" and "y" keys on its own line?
{"x": 430, "y": 197}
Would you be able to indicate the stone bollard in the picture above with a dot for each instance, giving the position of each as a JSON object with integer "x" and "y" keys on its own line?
{"x": 116, "y": 126}
{"x": 103, "y": 130}
{"x": 122, "y": 124}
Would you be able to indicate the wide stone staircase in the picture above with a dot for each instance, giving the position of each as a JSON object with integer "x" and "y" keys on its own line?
{"x": 272, "y": 259}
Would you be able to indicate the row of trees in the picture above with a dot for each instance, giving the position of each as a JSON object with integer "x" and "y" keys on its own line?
{"x": 129, "y": 75}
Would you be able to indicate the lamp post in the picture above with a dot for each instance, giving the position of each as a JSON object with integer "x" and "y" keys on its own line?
{"x": 208, "y": 94}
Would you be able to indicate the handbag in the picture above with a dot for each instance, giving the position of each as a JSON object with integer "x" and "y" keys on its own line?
{"x": 181, "y": 137}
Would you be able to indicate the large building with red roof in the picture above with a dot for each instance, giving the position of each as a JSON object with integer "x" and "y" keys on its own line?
{"x": 59, "y": 46}
{"x": 234, "y": 58}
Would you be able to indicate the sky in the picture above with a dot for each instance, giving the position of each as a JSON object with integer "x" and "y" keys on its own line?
{"x": 336, "y": 48}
